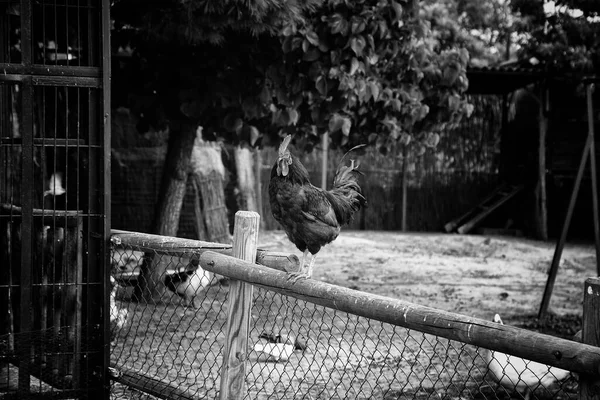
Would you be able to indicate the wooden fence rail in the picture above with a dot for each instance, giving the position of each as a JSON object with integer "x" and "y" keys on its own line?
{"x": 173, "y": 246}
{"x": 562, "y": 353}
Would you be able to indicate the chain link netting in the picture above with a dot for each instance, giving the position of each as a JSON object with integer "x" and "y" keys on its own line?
{"x": 173, "y": 348}
{"x": 57, "y": 362}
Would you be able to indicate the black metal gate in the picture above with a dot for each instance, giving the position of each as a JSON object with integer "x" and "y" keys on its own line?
{"x": 54, "y": 197}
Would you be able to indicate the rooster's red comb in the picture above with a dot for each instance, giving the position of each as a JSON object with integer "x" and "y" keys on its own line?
{"x": 283, "y": 146}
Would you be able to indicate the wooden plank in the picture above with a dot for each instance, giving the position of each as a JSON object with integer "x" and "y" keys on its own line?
{"x": 65, "y": 81}
{"x": 465, "y": 228}
{"x": 235, "y": 353}
{"x": 173, "y": 246}
{"x": 201, "y": 230}
{"x": 546, "y": 349}
{"x": 148, "y": 385}
{"x": 589, "y": 385}
{"x": 49, "y": 142}
{"x": 49, "y": 70}
{"x": 452, "y": 225}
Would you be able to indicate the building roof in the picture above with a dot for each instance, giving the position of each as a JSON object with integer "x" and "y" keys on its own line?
{"x": 502, "y": 79}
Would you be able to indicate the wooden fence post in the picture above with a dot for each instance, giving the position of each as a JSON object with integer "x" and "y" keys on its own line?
{"x": 233, "y": 371}
{"x": 589, "y": 385}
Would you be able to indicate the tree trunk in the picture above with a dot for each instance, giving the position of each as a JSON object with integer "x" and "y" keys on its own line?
{"x": 175, "y": 175}
{"x": 168, "y": 208}
{"x": 245, "y": 180}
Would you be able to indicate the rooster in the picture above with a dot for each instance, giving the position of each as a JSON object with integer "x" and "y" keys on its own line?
{"x": 310, "y": 216}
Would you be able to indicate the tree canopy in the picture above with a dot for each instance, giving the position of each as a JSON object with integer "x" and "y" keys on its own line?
{"x": 563, "y": 36}
{"x": 249, "y": 71}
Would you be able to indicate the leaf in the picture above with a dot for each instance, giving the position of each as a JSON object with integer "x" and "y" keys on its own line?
{"x": 453, "y": 102}
{"x": 315, "y": 114}
{"x": 254, "y": 135}
{"x": 423, "y": 111}
{"x": 323, "y": 46}
{"x": 353, "y": 65}
{"x": 231, "y": 122}
{"x": 469, "y": 109}
{"x": 321, "y": 85}
{"x": 293, "y": 116}
{"x": 289, "y": 30}
{"x": 192, "y": 109}
{"x": 296, "y": 43}
{"x": 357, "y": 44}
{"x": 432, "y": 140}
{"x": 405, "y": 138}
{"x": 287, "y": 44}
{"x": 346, "y": 125}
{"x": 265, "y": 95}
{"x": 357, "y": 25}
{"x": 383, "y": 29}
{"x": 305, "y": 45}
{"x": 313, "y": 38}
{"x": 338, "y": 24}
{"x": 311, "y": 55}
{"x": 335, "y": 123}
{"x": 336, "y": 56}
{"x": 397, "y": 9}
{"x": 374, "y": 90}
{"x": 373, "y": 59}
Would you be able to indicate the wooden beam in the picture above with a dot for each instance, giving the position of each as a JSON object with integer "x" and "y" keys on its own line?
{"x": 589, "y": 385}
{"x": 546, "y": 349}
{"x": 239, "y": 299}
{"x": 173, "y": 246}
{"x": 144, "y": 384}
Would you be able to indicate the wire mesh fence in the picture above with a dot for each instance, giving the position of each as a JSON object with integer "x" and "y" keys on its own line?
{"x": 171, "y": 347}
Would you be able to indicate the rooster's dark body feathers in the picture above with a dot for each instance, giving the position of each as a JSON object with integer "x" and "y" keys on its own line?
{"x": 310, "y": 216}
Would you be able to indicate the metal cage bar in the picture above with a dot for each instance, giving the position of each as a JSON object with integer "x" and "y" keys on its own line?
{"x": 54, "y": 197}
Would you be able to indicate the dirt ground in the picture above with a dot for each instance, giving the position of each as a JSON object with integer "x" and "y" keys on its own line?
{"x": 469, "y": 274}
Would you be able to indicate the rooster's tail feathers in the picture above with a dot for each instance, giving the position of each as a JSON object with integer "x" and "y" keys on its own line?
{"x": 346, "y": 195}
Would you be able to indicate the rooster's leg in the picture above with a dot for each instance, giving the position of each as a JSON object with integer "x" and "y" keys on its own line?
{"x": 310, "y": 265}
{"x": 303, "y": 263}
{"x": 300, "y": 274}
